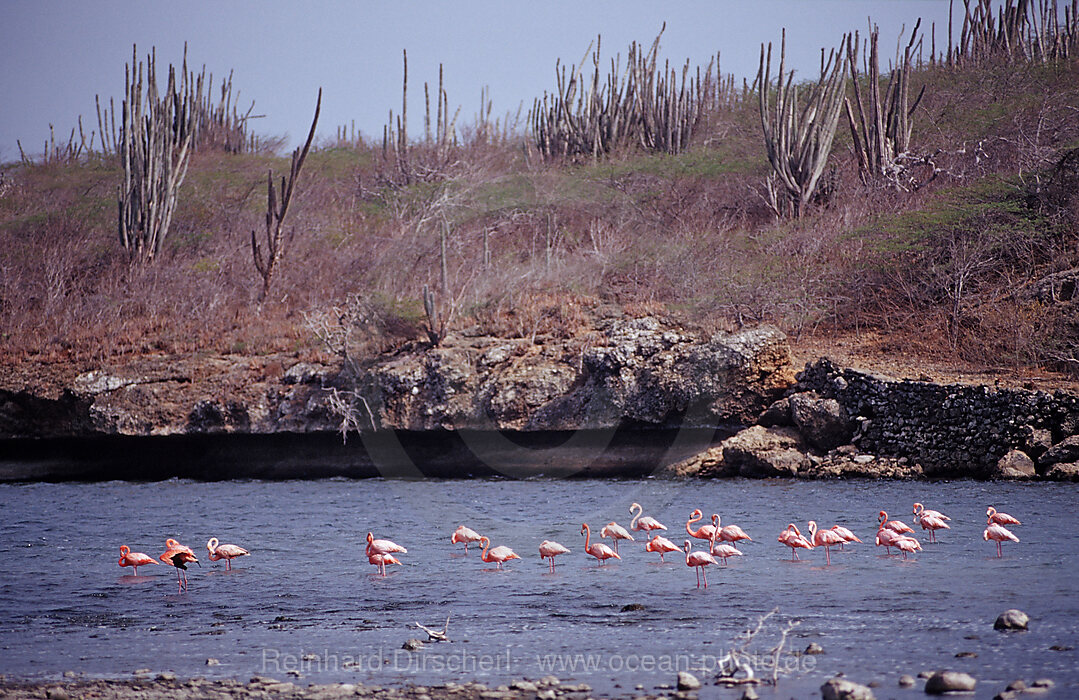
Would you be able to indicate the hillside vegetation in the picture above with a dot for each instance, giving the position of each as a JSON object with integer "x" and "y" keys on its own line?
{"x": 975, "y": 261}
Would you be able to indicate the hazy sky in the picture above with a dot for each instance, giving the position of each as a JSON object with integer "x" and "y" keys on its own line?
{"x": 57, "y": 55}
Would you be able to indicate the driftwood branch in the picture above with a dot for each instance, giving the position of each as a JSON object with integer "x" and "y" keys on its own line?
{"x": 276, "y": 209}
{"x": 435, "y": 635}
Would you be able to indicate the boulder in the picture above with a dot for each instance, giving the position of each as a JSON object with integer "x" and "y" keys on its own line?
{"x": 1065, "y": 451}
{"x": 687, "y": 681}
{"x": 706, "y": 464}
{"x": 764, "y": 452}
{"x": 777, "y": 415}
{"x": 1012, "y": 620}
{"x": 823, "y": 423}
{"x": 949, "y": 682}
{"x": 1016, "y": 464}
{"x": 842, "y": 689}
{"x": 1063, "y": 472}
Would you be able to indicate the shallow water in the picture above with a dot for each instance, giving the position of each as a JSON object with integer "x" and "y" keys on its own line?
{"x": 306, "y": 598}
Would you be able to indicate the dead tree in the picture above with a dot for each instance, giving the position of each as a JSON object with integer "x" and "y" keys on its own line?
{"x": 276, "y": 209}
{"x": 883, "y": 140}
{"x": 799, "y": 139}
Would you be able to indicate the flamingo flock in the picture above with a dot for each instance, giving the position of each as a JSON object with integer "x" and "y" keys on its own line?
{"x": 722, "y": 542}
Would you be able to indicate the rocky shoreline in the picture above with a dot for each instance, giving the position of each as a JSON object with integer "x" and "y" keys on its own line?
{"x": 634, "y": 397}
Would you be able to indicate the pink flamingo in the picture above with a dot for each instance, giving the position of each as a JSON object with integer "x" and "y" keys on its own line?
{"x": 1000, "y": 518}
{"x": 497, "y": 555}
{"x": 228, "y": 552}
{"x": 382, "y": 546}
{"x": 824, "y": 538}
{"x": 465, "y": 535}
{"x": 920, "y": 510}
{"x": 134, "y": 559}
{"x": 599, "y": 550}
{"x": 643, "y": 523}
{"x": 932, "y": 523}
{"x": 998, "y": 533}
{"x": 725, "y": 551}
{"x": 699, "y": 560}
{"x": 381, "y": 560}
{"x": 846, "y": 534}
{"x": 704, "y": 532}
{"x": 661, "y": 544}
{"x": 886, "y": 537}
{"x": 729, "y": 533}
{"x": 179, "y": 556}
{"x": 551, "y": 550}
{"x": 616, "y": 532}
{"x": 895, "y": 525}
{"x": 907, "y": 545}
{"x": 792, "y": 537}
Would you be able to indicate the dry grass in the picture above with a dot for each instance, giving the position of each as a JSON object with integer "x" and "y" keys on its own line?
{"x": 688, "y": 236}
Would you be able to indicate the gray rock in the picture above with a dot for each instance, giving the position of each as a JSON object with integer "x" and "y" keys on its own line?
{"x": 412, "y": 645}
{"x": 778, "y": 415}
{"x": 687, "y": 681}
{"x": 906, "y": 680}
{"x": 550, "y": 680}
{"x": 1042, "y": 683}
{"x": 1012, "y": 620}
{"x": 1064, "y": 471}
{"x": 546, "y": 694}
{"x": 525, "y": 685}
{"x": 166, "y": 677}
{"x": 843, "y": 689}
{"x": 814, "y": 648}
{"x": 949, "y": 682}
{"x": 749, "y": 694}
{"x": 1016, "y": 685}
{"x": 823, "y": 423}
{"x": 1006, "y": 695}
{"x": 304, "y": 373}
{"x": 1016, "y": 464}
{"x": 1065, "y": 451}
{"x": 57, "y": 694}
{"x": 212, "y": 662}
{"x": 764, "y": 452}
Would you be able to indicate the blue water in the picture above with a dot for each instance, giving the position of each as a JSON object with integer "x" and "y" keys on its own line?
{"x": 307, "y": 600}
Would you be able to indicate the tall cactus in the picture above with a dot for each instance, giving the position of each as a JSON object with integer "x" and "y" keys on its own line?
{"x": 155, "y": 142}
{"x": 884, "y": 136}
{"x": 799, "y": 139}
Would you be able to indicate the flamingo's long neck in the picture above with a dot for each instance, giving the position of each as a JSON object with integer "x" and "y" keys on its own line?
{"x": 587, "y": 537}
{"x": 637, "y": 513}
{"x": 692, "y": 520}
{"x": 688, "y": 546}
{"x": 485, "y": 543}
{"x": 813, "y": 531}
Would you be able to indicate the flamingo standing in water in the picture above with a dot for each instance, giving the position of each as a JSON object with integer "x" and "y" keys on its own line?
{"x": 728, "y": 533}
{"x": 699, "y": 560}
{"x": 704, "y": 532}
{"x": 551, "y": 550}
{"x": 661, "y": 544}
{"x": 179, "y": 556}
{"x": 498, "y": 554}
{"x": 846, "y": 534}
{"x": 724, "y": 551}
{"x": 895, "y": 525}
{"x": 616, "y": 532}
{"x": 932, "y": 523}
{"x": 824, "y": 538}
{"x": 907, "y": 545}
{"x": 228, "y": 552}
{"x": 134, "y": 559}
{"x": 643, "y": 523}
{"x": 920, "y": 510}
{"x": 998, "y": 533}
{"x": 599, "y": 550}
{"x": 382, "y": 547}
{"x": 1000, "y": 518}
{"x": 886, "y": 537}
{"x": 793, "y": 538}
{"x": 381, "y": 560}
{"x": 465, "y": 535}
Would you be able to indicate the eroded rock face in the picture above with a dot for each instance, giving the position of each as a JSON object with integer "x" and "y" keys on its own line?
{"x": 635, "y": 372}
{"x": 763, "y": 452}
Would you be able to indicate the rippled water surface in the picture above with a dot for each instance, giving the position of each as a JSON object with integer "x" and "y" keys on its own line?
{"x": 307, "y": 600}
